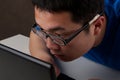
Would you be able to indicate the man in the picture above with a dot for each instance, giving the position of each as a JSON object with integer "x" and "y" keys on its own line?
{"x": 68, "y": 29}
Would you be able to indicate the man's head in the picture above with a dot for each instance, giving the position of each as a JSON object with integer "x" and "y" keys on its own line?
{"x": 80, "y": 10}
{"x": 64, "y": 18}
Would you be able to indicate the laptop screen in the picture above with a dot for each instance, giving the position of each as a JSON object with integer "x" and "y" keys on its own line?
{"x": 15, "y": 65}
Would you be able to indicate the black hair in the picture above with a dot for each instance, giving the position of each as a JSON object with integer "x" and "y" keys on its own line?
{"x": 80, "y": 10}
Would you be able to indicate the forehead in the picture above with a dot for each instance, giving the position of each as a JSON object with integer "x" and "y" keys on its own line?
{"x": 49, "y": 20}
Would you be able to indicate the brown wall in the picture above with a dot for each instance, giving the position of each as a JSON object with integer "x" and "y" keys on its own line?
{"x": 16, "y": 16}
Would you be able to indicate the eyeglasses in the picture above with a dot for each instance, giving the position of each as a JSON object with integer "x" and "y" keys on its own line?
{"x": 58, "y": 39}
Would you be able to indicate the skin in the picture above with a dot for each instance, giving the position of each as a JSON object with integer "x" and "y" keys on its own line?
{"x": 61, "y": 23}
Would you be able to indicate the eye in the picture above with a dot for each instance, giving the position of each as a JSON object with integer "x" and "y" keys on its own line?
{"x": 63, "y": 35}
{"x": 58, "y": 34}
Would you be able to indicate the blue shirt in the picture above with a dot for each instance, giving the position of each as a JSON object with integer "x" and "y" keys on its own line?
{"x": 108, "y": 52}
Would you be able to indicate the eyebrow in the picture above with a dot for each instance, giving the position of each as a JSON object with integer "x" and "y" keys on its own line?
{"x": 56, "y": 28}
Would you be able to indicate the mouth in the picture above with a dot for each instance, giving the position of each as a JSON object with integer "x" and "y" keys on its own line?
{"x": 62, "y": 57}
{"x": 57, "y": 54}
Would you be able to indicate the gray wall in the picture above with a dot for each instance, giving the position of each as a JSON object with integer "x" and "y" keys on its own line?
{"x": 16, "y": 16}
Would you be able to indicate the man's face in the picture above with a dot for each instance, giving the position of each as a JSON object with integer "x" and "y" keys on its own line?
{"x": 61, "y": 24}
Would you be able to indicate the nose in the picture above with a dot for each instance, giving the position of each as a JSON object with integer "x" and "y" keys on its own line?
{"x": 51, "y": 45}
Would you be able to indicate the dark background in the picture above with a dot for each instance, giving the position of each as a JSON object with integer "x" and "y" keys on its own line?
{"x": 16, "y": 17}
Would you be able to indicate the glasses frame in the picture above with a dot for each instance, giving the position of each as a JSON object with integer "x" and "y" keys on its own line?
{"x": 71, "y": 37}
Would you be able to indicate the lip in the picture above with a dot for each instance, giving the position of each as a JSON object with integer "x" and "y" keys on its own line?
{"x": 57, "y": 54}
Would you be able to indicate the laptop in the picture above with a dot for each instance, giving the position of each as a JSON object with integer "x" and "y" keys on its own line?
{"x": 79, "y": 69}
{"x": 16, "y": 65}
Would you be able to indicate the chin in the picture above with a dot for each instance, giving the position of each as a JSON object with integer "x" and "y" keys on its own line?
{"x": 66, "y": 59}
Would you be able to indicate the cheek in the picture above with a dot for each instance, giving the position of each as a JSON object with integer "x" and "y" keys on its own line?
{"x": 80, "y": 45}
{"x": 84, "y": 43}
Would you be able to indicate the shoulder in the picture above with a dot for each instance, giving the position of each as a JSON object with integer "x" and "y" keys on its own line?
{"x": 112, "y": 7}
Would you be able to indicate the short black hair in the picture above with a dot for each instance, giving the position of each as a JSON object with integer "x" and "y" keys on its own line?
{"x": 80, "y": 10}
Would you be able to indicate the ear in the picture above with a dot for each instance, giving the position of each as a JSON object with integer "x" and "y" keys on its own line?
{"x": 99, "y": 24}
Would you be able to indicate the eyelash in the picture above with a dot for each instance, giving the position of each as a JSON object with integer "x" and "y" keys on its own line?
{"x": 60, "y": 35}
{"x": 63, "y": 35}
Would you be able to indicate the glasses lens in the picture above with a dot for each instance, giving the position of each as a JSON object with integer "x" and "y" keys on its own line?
{"x": 56, "y": 39}
{"x": 42, "y": 34}
{"x": 39, "y": 32}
